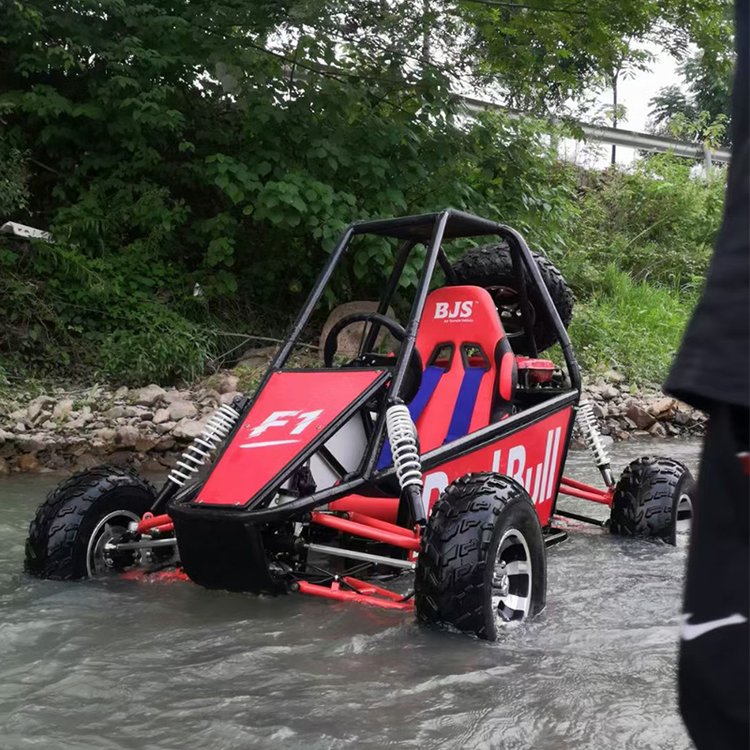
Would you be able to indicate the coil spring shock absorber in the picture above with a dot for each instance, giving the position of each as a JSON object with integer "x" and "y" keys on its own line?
{"x": 589, "y": 428}
{"x": 402, "y": 435}
{"x": 197, "y": 453}
{"x": 200, "y": 450}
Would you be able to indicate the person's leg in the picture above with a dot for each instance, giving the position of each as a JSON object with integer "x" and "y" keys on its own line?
{"x": 714, "y": 669}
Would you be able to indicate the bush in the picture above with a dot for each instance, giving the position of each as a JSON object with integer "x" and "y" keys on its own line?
{"x": 657, "y": 223}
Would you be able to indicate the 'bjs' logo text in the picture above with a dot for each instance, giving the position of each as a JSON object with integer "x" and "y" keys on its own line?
{"x": 459, "y": 311}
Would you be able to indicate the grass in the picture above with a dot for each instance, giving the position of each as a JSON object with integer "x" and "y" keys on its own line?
{"x": 633, "y": 327}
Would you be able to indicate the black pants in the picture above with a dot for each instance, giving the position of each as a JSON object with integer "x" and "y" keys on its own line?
{"x": 714, "y": 655}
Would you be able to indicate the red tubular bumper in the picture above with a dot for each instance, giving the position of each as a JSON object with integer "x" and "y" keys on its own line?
{"x": 363, "y": 593}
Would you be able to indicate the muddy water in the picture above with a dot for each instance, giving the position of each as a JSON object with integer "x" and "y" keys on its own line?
{"x": 134, "y": 665}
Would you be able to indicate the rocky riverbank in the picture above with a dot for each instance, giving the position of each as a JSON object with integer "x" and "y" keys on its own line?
{"x": 149, "y": 427}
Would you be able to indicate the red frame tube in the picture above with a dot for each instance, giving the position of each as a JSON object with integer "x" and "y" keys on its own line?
{"x": 369, "y": 532}
{"x": 366, "y": 593}
{"x": 377, "y": 523}
{"x": 574, "y": 488}
{"x": 150, "y": 522}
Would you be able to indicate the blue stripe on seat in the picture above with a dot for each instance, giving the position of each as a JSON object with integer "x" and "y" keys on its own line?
{"x": 465, "y": 403}
{"x": 430, "y": 379}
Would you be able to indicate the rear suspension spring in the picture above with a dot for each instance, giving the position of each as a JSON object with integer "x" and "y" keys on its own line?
{"x": 589, "y": 428}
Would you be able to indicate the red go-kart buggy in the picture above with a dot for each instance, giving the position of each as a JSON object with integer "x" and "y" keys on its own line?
{"x": 445, "y": 459}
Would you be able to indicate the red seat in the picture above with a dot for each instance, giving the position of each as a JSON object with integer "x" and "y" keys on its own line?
{"x": 461, "y": 334}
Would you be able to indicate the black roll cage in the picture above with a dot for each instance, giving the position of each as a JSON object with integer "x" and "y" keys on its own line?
{"x": 432, "y": 230}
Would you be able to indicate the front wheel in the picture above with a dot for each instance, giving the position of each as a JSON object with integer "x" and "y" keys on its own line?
{"x": 483, "y": 563}
{"x": 654, "y": 498}
{"x": 68, "y": 535}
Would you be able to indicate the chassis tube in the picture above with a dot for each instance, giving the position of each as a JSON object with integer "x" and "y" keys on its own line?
{"x": 360, "y": 529}
{"x": 595, "y": 497}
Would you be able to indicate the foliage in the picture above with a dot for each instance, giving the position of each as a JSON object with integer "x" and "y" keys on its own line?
{"x": 699, "y": 109}
{"x": 656, "y": 222}
{"x": 631, "y": 326}
{"x": 541, "y": 54}
{"x": 167, "y": 143}
{"x": 14, "y": 194}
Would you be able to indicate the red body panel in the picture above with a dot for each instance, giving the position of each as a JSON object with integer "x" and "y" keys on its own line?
{"x": 533, "y": 456}
{"x": 291, "y": 411}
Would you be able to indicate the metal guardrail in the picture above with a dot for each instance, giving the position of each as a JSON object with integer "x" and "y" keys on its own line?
{"x": 619, "y": 137}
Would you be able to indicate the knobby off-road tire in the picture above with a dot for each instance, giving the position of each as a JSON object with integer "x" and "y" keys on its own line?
{"x": 58, "y": 543}
{"x": 459, "y": 576}
{"x": 491, "y": 267}
{"x": 653, "y": 496}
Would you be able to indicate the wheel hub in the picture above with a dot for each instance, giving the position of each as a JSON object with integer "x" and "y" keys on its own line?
{"x": 512, "y": 579}
{"x": 99, "y": 560}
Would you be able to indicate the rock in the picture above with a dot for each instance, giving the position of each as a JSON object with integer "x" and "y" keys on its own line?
{"x": 120, "y": 458}
{"x": 86, "y": 461}
{"x": 49, "y": 425}
{"x": 115, "y": 412}
{"x": 682, "y": 417}
{"x": 152, "y": 465}
{"x": 662, "y": 408}
{"x": 226, "y": 383}
{"x": 257, "y": 358}
{"x": 121, "y": 392}
{"x": 641, "y": 418}
{"x": 350, "y": 337}
{"x": 150, "y": 395}
{"x": 181, "y": 410}
{"x": 612, "y": 376}
{"x": 5, "y": 436}
{"x": 607, "y": 440}
{"x": 145, "y": 444}
{"x": 608, "y": 392}
{"x": 165, "y": 443}
{"x": 165, "y": 427}
{"x": 106, "y": 434}
{"x": 62, "y": 409}
{"x": 657, "y": 430}
{"x": 18, "y": 414}
{"x": 189, "y": 429}
{"x": 600, "y": 410}
{"x": 4, "y": 468}
{"x": 227, "y": 398}
{"x": 37, "y": 406}
{"x": 126, "y": 436}
{"x": 169, "y": 462}
{"x": 173, "y": 395}
{"x": 19, "y": 427}
{"x": 30, "y": 443}
{"x": 28, "y": 462}
{"x": 146, "y": 416}
{"x": 161, "y": 415}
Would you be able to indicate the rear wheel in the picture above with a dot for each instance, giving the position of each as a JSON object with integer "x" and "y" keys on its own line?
{"x": 483, "y": 562}
{"x": 491, "y": 267}
{"x": 72, "y": 526}
{"x": 654, "y": 498}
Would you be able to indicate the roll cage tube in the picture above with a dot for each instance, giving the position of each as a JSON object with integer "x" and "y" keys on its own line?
{"x": 414, "y": 229}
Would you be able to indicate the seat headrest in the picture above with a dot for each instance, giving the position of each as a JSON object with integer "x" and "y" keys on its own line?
{"x": 459, "y": 314}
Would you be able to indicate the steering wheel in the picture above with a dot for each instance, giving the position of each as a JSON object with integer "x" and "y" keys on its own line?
{"x": 414, "y": 368}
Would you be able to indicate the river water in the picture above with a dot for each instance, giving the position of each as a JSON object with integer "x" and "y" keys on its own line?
{"x": 121, "y": 664}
